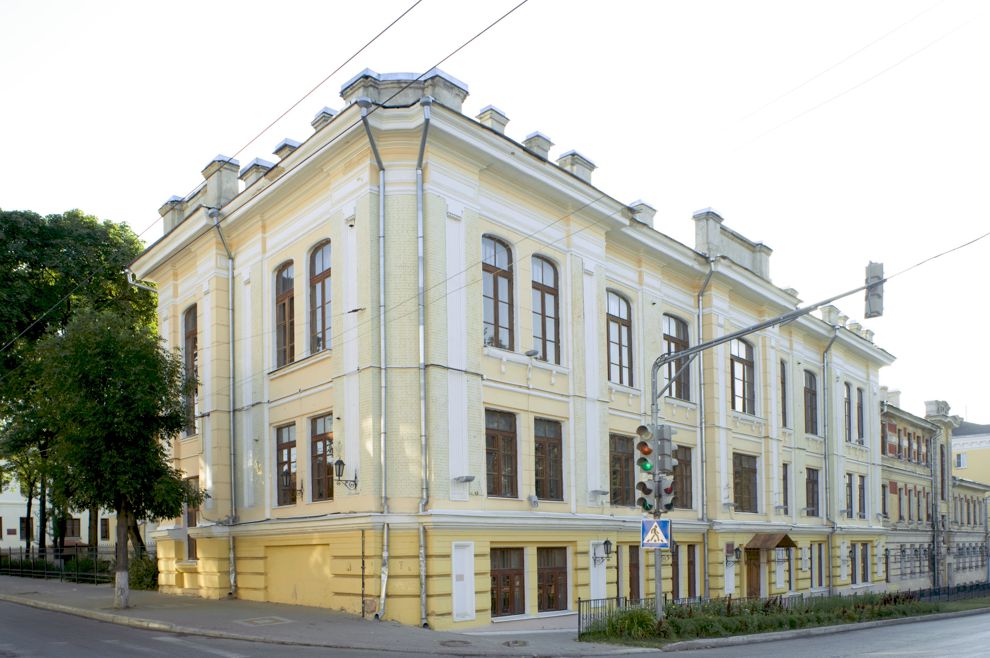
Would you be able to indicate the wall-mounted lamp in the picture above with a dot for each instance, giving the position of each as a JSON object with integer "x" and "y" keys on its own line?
{"x": 287, "y": 481}
{"x": 338, "y": 467}
{"x": 607, "y": 547}
{"x": 734, "y": 557}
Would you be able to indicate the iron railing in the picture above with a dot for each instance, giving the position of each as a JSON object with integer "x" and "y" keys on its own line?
{"x": 77, "y": 564}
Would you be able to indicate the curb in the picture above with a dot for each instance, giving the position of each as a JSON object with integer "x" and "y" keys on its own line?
{"x": 737, "y": 640}
{"x": 166, "y": 627}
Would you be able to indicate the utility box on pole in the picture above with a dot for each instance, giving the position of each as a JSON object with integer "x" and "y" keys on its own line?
{"x": 874, "y": 293}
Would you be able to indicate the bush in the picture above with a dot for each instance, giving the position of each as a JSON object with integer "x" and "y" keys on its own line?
{"x": 142, "y": 573}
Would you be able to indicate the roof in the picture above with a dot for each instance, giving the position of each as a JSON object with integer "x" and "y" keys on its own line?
{"x": 967, "y": 429}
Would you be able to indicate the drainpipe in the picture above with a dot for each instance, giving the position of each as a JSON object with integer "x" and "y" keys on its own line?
{"x": 701, "y": 427}
{"x": 424, "y": 499}
{"x": 364, "y": 104}
{"x": 828, "y": 497}
{"x": 934, "y": 505}
{"x": 214, "y": 213}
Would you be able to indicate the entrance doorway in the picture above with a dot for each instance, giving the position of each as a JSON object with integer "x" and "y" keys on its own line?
{"x": 634, "y": 572}
{"x": 753, "y": 573}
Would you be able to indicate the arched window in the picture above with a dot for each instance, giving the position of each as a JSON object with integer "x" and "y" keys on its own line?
{"x": 619, "y": 321}
{"x": 319, "y": 298}
{"x": 284, "y": 314}
{"x": 496, "y": 270}
{"x": 742, "y": 376}
{"x": 190, "y": 355}
{"x": 675, "y": 339}
{"x": 546, "y": 316}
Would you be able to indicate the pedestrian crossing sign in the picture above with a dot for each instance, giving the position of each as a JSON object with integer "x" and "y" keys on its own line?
{"x": 655, "y": 533}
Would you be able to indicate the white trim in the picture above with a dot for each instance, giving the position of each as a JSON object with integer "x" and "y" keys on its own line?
{"x": 462, "y": 591}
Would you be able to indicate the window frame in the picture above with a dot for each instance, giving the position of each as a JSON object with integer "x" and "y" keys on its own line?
{"x": 860, "y": 414}
{"x": 785, "y": 477}
{"x": 683, "y": 484}
{"x": 783, "y": 393}
{"x": 861, "y": 496}
{"x": 549, "y": 469}
{"x": 321, "y": 446}
{"x": 320, "y": 285}
{"x": 285, "y": 307}
{"x": 619, "y": 333}
{"x": 745, "y": 471}
{"x": 622, "y": 479}
{"x": 812, "y": 492}
{"x": 191, "y": 519}
{"x": 491, "y": 271}
{"x": 676, "y": 338}
{"x": 544, "y": 293}
{"x": 811, "y": 403}
{"x": 190, "y": 347}
{"x": 515, "y": 586}
{"x": 502, "y": 451}
{"x": 847, "y": 411}
{"x": 286, "y": 456}
{"x": 742, "y": 376}
{"x": 551, "y": 579}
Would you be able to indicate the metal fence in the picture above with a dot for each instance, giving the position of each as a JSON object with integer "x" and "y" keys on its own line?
{"x": 77, "y": 564}
{"x": 594, "y": 614}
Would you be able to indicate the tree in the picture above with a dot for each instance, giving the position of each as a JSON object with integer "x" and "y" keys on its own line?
{"x": 50, "y": 266}
{"x": 114, "y": 396}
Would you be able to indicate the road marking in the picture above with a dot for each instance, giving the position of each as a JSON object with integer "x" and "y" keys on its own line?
{"x": 134, "y": 647}
{"x": 197, "y": 647}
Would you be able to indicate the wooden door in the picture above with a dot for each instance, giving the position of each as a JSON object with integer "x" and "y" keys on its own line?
{"x": 752, "y": 573}
{"x": 634, "y": 572}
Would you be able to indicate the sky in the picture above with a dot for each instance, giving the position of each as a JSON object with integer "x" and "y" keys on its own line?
{"x": 835, "y": 132}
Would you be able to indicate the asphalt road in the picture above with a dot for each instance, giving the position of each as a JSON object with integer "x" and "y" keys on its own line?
{"x": 32, "y": 633}
{"x": 963, "y": 636}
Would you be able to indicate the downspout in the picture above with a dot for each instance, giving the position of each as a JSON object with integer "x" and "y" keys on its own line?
{"x": 701, "y": 427}
{"x": 424, "y": 499}
{"x": 934, "y": 508}
{"x": 828, "y": 498}
{"x": 364, "y": 104}
{"x": 215, "y": 214}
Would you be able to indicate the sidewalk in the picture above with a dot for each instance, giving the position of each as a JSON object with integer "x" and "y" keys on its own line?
{"x": 286, "y": 624}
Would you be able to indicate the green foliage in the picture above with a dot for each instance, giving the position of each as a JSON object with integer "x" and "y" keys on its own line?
{"x": 143, "y": 572}
{"x": 83, "y": 569}
{"x": 635, "y": 623}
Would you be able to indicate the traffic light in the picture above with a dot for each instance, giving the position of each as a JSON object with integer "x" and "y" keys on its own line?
{"x": 666, "y": 493}
{"x": 665, "y": 448}
{"x": 646, "y": 464}
{"x": 874, "y": 294}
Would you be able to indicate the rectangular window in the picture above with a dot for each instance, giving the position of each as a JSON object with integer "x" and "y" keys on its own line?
{"x": 810, "y": 403}
{"x": 321, "y": 456}
{"x": 675, "y": 339}
{"x": 847, "y": 411}
{"x": 620, "y": 459}
{"x": 192, "y": 520}
{"x": 692, "y": 571}
{"x": 744, "y": 482}
{"x": 883, "y": 499}
{"x": 853, "y": 562}
{"x": 675, "y": 571}
{"x": 500, "y": 453}
{"x": 743, "y": 376}
{"x": 190, "y": 358}
{"x": 783, "y": 393}
{"x": 285, "y": 446}
{"x": 860, "y": 429}
{"x": 818, "y": 564}
{"x": 73, "y": 528}
{"x": 811, "y": 491}
{"x": 508, "y": 582}
{"x": 862, "y": 496}
{"x": 784, "y": 486}
{"x": 551, "y": 578}
{"x": 864, "y": 562}
{"x": 104, "y": 529}
{"x": 849, "y": 495}
{"x": 683, "y": 490}
{"x": 285, "y": 312}
{"x": 26, "y": 527}
{"x": 900, "y": 505}
{"x": 549, "y": 460}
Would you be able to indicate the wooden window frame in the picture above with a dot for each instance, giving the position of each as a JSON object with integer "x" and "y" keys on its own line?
{"x": 104, "y": 529}
{"x": 510, "y": 580}
{"x": 860, "y": 413}
{"x": 621, "y": 464}
{"x": 285, "y": 306}
{"x": 783, "y": 393}
{"x": 849, "y": 495}
{"x": 810, "y": 403}
{"x": 847, "y": 411}
{"x": 320, "y": 298}
{"x": 812, "y": 494}
{"x": 190, "y": 347}
{"x": 620, "y": 336}
{"x": 549, "y": 459}
{"x": 321, "y": 457}
{"x": 546, "y": 309}
{"x": 73, "y": 527}
{"x": 861, "y": 499}
{"x": 742, "y": 376}
{"x": 551, "y": 578}
{"x": 683, "y": 485}
{"x": 191, "y": 521}
{"x": 492, "y": 274}
{"x": 676, "y": 338}
{"x": 501, "y": 455}
{"x": 285, "y": 451}
{"x": 745, "y": 482}
{"x": 785, "y": 477}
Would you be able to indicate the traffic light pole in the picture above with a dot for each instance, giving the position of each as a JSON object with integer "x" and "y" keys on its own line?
{"x": 874, "y": 285}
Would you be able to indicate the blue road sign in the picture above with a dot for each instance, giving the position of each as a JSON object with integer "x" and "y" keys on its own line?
{"x": 655, "y": 533}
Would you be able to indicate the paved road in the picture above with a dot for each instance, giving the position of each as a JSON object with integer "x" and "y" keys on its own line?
{"x": 32, "y": 633}
{"x": 965, "y": 636}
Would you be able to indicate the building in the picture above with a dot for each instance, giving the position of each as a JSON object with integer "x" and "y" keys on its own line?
{"x": 423, "y": 350}
{"x": 14, "y": 520}
{"x": 936, "y": 522}
{"x": 971, "y": 451}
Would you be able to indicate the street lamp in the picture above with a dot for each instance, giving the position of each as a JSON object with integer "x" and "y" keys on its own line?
{"x": 737, "y": 554}
{"x": 607, "y": 547}
{"x": 338, "y": 467}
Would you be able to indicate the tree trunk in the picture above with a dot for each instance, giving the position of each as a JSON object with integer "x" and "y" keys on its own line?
{"x": 121, "y": 587}
{"x": 30, "y": 527}
{"x": 94, "y": 529}
{"x": 43, "y": 525}
{"x": 135, "y": 535}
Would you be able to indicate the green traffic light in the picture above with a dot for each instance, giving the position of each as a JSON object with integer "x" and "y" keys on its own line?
{"x": 645, "y": 464}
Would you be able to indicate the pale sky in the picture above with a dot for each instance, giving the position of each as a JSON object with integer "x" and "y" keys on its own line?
{"x": 836, "y": 132}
